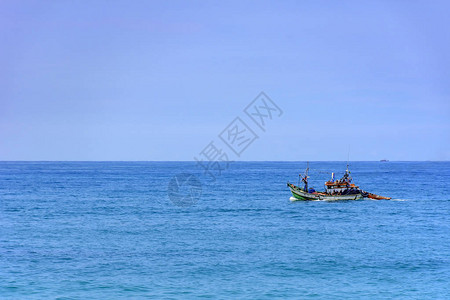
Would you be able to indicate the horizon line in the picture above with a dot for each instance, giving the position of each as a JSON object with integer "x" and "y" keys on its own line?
{"x": 229, "y": 161}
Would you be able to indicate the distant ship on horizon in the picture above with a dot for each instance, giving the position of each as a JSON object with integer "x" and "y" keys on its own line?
{"x": 384, "y": 160}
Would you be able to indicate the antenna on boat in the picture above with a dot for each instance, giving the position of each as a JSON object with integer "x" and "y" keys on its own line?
{"x": 348, "y": 157}
{"x": 347, "y": 172}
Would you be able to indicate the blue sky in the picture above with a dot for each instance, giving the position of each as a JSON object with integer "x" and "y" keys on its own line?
{"x": 159, "y": 80}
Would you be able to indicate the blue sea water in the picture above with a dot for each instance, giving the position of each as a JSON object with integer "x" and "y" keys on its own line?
{"x": 108, "y": 230}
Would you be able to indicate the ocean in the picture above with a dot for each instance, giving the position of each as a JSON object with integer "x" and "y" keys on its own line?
{"x": 114, "y": 230}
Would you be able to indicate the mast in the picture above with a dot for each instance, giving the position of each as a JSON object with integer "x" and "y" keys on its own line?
{"x": 347, "y": 172}
{"x": 348, "y": 157}
{"x": 305, "y": 179}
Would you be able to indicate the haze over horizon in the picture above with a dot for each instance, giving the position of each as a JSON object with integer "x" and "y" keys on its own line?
{"x": 158, "y": 81}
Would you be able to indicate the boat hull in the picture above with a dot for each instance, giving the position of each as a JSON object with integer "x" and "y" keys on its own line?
{"x": 301, "y": 195}
{"x": 377, "y": 197}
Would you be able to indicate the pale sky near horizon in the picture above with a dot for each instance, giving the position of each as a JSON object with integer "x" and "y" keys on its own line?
{"x": 159, "y": 80}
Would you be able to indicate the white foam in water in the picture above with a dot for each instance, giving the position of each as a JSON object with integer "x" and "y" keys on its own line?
{"x": 292, "y": 199}
{"x": 295, "y": 199}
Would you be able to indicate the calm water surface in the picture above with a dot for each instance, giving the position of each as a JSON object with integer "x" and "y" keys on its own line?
{"x": 85, "y": 230}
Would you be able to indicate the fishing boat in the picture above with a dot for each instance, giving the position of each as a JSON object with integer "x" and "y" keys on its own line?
{"x": 335, "y": 189}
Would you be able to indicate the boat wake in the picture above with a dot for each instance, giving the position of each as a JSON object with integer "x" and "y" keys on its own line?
{"x": 293, "y": 199}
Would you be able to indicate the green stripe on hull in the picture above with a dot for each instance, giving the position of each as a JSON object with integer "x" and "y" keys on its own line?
{"x": 298, "y": 197}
